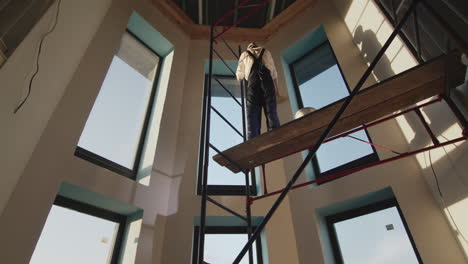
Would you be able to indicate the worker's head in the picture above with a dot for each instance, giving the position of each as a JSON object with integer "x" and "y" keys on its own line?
{"x": 252, "y": 45}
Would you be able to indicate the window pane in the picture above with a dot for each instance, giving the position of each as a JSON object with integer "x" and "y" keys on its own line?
{"x": 223, "y": 136}
{"x": 378, "y": 237}
{"x": 322, "y": 89}
{"x": 314, "y": 63}
{"x": 343, "y": 150}
{"x": 224, "y": 103}
{"x": 115, "y": 124}
{"x": 224, "y": 248}
{"x": 73, "y": 237}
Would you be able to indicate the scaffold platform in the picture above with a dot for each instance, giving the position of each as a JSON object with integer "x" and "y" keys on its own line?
{"x": 377, "y": 101}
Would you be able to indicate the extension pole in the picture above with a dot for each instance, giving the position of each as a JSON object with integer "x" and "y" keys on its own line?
{"x": 324, "y": 135}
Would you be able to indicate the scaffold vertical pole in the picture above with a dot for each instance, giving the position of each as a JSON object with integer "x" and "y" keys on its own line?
{"x": 247, "y": 181}
{"x": 204, "y": 189}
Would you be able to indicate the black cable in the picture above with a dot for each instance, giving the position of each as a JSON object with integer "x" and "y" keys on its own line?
{"x": 38, "y": 56}
{"x": 443, "y": 200}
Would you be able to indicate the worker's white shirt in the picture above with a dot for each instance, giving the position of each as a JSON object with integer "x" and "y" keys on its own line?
{"x": 246, "y": 61}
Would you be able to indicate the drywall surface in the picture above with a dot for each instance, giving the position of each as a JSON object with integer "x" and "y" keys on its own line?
{"x": 61, "y": 53}
{"x": 369, "y": 29}
{"x": 61, "y": 113}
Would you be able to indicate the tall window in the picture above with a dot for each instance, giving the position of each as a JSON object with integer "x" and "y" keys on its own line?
{"x": 226, "y": 131}
{"x": 78, "y": 233}
{"x": 318, "y": 83}
{"x": 114, "y": 133}
{"x": 372, "y": 234}
{"x": 223, "y": 244}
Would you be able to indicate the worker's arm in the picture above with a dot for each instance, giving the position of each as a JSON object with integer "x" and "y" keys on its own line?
{"x": 279, "y": 97}
{"x": 270, "y": 64}
{"x": 240, "y": 72}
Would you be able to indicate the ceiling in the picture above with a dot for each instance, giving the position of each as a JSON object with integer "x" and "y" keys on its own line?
{"x": 207, "y": 12}
{"x": 195, "y": 16}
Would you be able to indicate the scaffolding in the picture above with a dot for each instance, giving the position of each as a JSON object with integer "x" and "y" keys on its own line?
{"x": 341, "y": 120}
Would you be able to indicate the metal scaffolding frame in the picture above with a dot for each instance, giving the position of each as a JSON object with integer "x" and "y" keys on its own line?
{"x": 253, "y": 235}
{"x": 206, "y": 145}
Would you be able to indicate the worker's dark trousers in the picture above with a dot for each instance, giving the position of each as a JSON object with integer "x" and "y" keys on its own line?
{"x": 260, "y": 94}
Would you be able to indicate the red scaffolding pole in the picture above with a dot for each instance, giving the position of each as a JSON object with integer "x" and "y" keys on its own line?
{"x": 436, "y": 144}
{"x": 238, "y": 21}
{"x": 438, "y": 99}
{"x": 344, "y": 173}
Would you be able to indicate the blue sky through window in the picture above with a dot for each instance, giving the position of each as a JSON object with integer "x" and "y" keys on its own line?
{"x": 72, "y": 237}
{"x": 365, "y": 239}
{"x": 222, "y": 136}
{"x": 322, "y": 90}
{"x": 224, "y": 248}
{"x": 115, "y": 124}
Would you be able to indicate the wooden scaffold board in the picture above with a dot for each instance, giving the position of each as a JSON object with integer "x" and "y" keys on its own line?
{"x": 401, "y": 91}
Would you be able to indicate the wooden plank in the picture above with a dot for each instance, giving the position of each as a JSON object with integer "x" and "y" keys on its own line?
{"x": 382, "y": 99}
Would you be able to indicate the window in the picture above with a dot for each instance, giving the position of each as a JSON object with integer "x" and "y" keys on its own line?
{"x": 318, "y": 82}
{"x": 79, "y": 233}
{"x": 114, "y": 134}
{"x": 221, "y": 180}
{"x": 223, "y": 244}
{"x": 375, "y": 233}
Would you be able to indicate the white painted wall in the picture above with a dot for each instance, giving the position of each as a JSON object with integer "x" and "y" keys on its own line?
{"x": 61, "y": 54}
{"x": 61, "y": 114}
{"x": 448, "y": 162}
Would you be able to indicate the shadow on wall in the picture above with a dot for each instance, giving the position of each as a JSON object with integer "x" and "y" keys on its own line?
{"x": 370, "y": 29}
{"x": 370, "y": 46}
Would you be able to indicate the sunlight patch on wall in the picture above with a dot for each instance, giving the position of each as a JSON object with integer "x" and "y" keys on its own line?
{"x": 370, "y": 30}
{"x": 354, "y": 14}
{"x": 131, "y": 243}
{"x": 440, "y": 154}
{"x": 404, "y": 59}
{"x": 405, "y": 127}
{"x": 458, "y": 218}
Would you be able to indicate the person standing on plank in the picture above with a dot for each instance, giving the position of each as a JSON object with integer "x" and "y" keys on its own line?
{"x": 257, "y": 67}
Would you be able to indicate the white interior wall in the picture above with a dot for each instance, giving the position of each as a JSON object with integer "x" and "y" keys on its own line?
{"x": 61, "y": 54}
{"x": 52, "y": 160}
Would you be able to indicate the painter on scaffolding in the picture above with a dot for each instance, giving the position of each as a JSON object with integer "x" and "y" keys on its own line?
{"x": 256, "y": 66}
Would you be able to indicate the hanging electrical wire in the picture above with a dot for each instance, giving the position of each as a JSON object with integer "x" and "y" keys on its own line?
{"x": 443, "y": 200}
{"x": 38, "y": 57}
